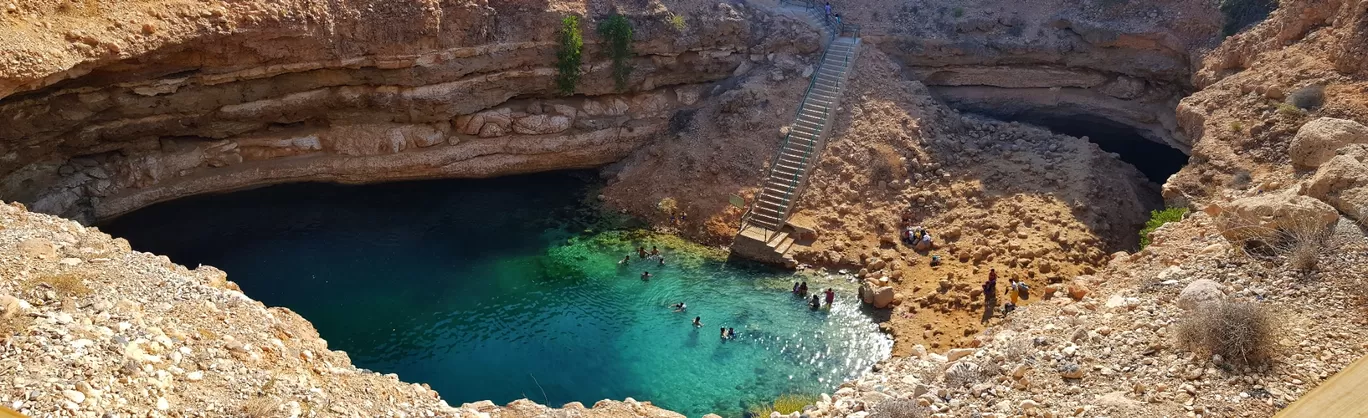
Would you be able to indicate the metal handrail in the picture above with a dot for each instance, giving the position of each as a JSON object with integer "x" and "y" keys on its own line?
{"x": 795, "y": 184}
{"x": 784, "y": 145}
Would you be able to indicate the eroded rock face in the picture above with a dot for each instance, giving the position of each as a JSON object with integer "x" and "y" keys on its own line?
{"x": 1343, "y": 183}
{"x": 253, "y": 94}
{"x": 1266, "y": 215}
{"x": 1126, "y": 63}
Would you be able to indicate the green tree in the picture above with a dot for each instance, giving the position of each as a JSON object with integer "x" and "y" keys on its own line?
{"x": 617, "y": 30}
{"x": 568, "y": 55}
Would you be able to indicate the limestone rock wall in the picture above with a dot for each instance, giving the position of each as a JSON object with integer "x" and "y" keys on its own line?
{"x": 1126, "y": 62}
{"x": 242, "y": 94}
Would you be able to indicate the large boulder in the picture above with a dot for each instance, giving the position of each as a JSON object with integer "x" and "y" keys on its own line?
{"x": 1343, "y": 183}
{"x": 1263, "y": 216}
{"x": 1317, "y": 140}
{"x": 883, "y": 297}
{"x": 1201, "y": 292}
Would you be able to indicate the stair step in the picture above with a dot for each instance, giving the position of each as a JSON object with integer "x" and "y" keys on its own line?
{"x": 784, "y": 245}
{"x": 778, "y": 239}
{"x": 767, "y": 222}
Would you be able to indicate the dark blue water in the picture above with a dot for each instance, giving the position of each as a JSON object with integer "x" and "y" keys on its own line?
{"x": 508, "y": 288}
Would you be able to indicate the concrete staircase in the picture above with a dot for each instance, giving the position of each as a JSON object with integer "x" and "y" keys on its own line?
{"x": 765, "y": 231}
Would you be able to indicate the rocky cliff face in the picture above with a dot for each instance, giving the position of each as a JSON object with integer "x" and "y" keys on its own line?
{"x": 130, "y": 106}
{"x": 1124, "y": 62}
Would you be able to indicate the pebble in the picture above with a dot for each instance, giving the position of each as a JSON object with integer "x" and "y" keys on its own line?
{"x": 74, "y": 396}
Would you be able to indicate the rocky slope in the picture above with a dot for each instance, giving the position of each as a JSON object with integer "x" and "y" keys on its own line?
{"x": 113, "y": 108}
{"x": 89, "y": 328}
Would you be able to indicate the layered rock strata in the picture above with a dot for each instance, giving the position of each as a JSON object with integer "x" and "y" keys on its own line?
{"x": 1063, "y": 59}
{"x": 249, "y": 94}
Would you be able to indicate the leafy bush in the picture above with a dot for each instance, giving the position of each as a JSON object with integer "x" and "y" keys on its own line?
{"x": 1290, "y": 110}
{"x": 1157, "y": 219}
{"x": 1241, "y": 14}
{"x": 568, "y": 55}
{"x": 898, "y": 408}
{"x": 1242, "y": 333}
{"x": 786, "y": 404}
{"x": 618, "y": 31}
{"x": 677, "y": 22}
{"x": 1307, "y": 98}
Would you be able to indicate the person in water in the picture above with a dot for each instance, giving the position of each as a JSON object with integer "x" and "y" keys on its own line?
{"x": 626, "y": 259}
{"x": 680, "y": 307}
{"x": 722, "y": 332}
{"x": 646, "y": 275}
{"x": 698, "y": 321}
{"x": 830, "y": 296}
{"x": 731, "y": 333}
{"x": 802, "y": 289}
{"x": 795, "y": 288}
{"x": 641, "y": 252}
{"x": 815, "y": 303}
{"x": 662, "y": 260}
{"x": 654, "y": 250}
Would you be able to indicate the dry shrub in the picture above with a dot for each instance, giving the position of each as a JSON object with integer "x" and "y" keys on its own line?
{"x": 898, "y": 408}
{"x": 886, "y": 162}
{"x": 65, "y": 284}
{"x": 260, "y": 407}
{"x": 1307, "y": 98}
{"x": 1299, "y": 245}
{"x": 1242, "y": 333}
{"x": 13, "y": 324}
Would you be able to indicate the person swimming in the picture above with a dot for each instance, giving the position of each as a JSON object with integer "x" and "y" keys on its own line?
{"x": 815, "y": 303}
{"x": 731, "y": 333}
{"x": 654, "y": 251}
{"x": 795, "y": 288}
{"x": 641, "y": 252}
{"x": 698, "y": 321}
{"x": 722, "y": 333}
{"x": 680, "y": 307}
{"x": 645, "y": 275}
{"x": 662, "y": 260}
{"x": 626, "y": 259}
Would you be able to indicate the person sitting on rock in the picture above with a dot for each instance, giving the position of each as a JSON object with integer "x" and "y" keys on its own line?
{"x": 925, "y": 242}
{"x": 645, "y": 275}
{"x": 935, "y": 260}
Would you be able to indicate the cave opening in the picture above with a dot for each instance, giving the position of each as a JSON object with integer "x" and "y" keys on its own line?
{"x": 1156, "y": 160}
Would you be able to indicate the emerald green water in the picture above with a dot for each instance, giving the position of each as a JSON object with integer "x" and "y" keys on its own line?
{"x": 508, "y": 288}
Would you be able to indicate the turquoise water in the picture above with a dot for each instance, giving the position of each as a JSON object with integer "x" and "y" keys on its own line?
{"x": 508, "y": 288}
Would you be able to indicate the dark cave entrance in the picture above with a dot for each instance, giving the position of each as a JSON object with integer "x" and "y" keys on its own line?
{"x": 1157, "y": 161}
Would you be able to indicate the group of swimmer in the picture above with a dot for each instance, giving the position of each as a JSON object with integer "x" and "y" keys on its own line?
{"x": 641, "y": 252}
{"x": 801, "y": 290}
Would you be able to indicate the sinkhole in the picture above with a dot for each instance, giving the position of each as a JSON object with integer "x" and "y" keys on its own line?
{"x": 1156, "y": 160}
{"x": 511, "y": 287}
